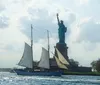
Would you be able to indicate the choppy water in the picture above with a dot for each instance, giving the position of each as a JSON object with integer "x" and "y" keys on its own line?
{"x": 13, "y": 79}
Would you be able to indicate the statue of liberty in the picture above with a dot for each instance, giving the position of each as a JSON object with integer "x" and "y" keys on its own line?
{"x": 61, "y": 30}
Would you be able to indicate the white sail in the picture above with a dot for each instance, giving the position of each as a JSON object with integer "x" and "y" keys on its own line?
{"x": 61, "y": 58}
{"x": 60, "y": 65}
{"x": 27, "y": 58}
{"x": 44, "y": 61}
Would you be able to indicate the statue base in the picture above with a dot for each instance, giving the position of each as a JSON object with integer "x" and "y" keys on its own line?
{"x": 63, "y": 49}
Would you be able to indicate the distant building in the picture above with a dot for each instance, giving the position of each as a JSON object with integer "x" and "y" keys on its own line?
{"x": 80, "y": 69}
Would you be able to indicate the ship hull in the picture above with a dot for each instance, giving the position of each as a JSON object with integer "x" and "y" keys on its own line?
{"x": 38, "y": 73}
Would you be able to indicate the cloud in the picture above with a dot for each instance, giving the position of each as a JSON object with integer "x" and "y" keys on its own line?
{"x": 82, "y": 2}
{"x": 39, "y": 27}
{"x": 88, "y": 10}
{"x": 82, "y": 52}
{"x": 18, "y": 15}
{"x": 4, "y": 22}
{"x": 3, "y": 19}
{"x": 89, "y": 31}
{"x": 1, "y": 8}
{"x": 85, "y": 38}
{"x": 43, "y": 19}
{"x": 11, "y": 47}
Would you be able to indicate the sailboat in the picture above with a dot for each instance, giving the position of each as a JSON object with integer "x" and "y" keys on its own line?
{"x": 44, "y": 63}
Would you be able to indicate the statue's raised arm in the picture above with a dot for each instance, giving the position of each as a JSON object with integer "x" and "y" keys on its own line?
{"x": 58, "y": 18}
{"x": 61, "y": 30}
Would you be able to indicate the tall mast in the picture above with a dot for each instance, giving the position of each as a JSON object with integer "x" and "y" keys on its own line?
{"x": 32, "y": 43}
{"x": 31, "y": 36}
{"x": 48, "y": 43}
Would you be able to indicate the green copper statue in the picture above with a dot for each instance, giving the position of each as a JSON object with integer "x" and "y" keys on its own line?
{"x": 61, "y": 31}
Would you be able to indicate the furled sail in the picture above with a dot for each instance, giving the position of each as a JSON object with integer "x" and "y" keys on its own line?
{"x": 44, "y": 61}
{"x": 27, "y": 58}
{"x": 60, "y": 65}
{"x": 61, "y": 58}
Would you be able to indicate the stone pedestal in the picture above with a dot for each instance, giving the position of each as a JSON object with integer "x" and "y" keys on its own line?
{"x": 63, "y": 49}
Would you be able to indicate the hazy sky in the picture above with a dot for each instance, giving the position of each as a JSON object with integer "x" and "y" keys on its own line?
{"x": 81, "y": 17}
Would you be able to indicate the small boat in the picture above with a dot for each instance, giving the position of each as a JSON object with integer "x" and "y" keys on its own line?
{"x": 44, "y": 63}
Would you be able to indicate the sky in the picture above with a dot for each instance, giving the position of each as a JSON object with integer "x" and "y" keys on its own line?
{"x": 81, "y": 17}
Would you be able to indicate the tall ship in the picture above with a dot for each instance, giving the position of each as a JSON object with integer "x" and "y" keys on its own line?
{"x": 43, "y": 67}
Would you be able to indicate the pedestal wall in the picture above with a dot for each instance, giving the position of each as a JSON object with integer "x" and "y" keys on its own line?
{"x": 63, "y": 49}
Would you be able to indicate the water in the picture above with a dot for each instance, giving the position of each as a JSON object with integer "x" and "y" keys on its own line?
{"x": 13, "y": 79}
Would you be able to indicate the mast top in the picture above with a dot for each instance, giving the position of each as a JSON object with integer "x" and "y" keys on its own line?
{"x": 31, "y": 35}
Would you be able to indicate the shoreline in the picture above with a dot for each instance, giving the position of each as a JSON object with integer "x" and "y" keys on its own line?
{"x": 65, "y": 73}
{"x": 82, "y": 73}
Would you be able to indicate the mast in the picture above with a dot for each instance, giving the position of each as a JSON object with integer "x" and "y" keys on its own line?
{"x": 48, "y": 46}
{"x": 32, "y": 43}
{"x": 45, "y": 56}
{"x": 48, "y": 43}
{"x": 31, "y": 36}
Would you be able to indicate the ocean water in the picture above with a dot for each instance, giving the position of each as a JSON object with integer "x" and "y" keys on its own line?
{"x": 7, "y": 78}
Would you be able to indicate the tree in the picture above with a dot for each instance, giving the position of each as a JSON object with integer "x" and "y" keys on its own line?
{"x": 98, "y": 65}
{"x": 74, "y": 63}
{"x": 93, "y": 64}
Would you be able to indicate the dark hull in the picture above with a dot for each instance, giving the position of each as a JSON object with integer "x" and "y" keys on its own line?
{"x": 38, "y": 73}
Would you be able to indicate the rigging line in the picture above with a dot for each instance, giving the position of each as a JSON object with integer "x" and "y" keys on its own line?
{"x": 40, "y": 29}
{"x": 39, "y": 35}
{"x": 49, "y": 41}
{"x": 36, "y": 29}
{"x": 45, "y": 30}
{"x": 52, "y": 54}
{"x": 50, "y": 34}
